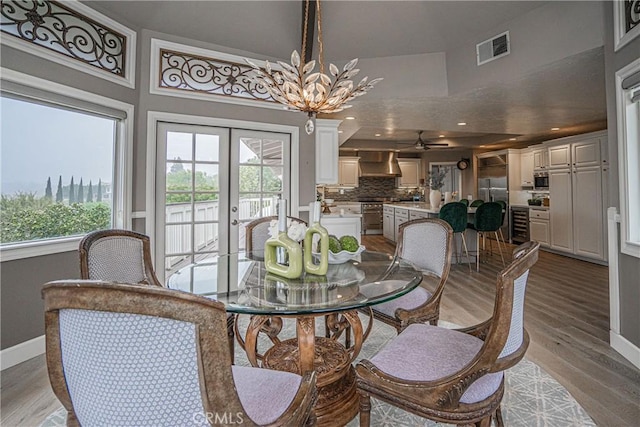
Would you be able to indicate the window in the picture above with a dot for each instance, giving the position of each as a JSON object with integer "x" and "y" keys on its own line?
{"x": 61, "y": 170}
{"x": 628, "y": 112}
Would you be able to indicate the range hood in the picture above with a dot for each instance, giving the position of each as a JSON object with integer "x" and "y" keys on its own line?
{"x": 379, "y": 164}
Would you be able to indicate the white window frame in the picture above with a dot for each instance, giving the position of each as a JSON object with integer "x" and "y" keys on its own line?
{"x": 622, "y": 38}
{"x": 122, "y": 186}
{"x": 628, "y": 122}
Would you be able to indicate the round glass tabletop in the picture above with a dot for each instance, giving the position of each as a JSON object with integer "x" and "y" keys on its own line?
{"x": 241, "y": 282}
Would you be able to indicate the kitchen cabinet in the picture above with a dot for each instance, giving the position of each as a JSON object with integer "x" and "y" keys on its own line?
{"x": 400, "y": 217}
{"x": 526, "y": 168}
{"x": 561, "y": 209}
{"x": 576, "y": 199}
{"x": 327, "y": 151}
{"x": 342, "y": 225}
{"x": 418, "y": 215}
{"x": 560, "y": 156}
{"x": 348, "y": 171}
{"x": 539, "y": 229}
{"x": 540, "y": 158}
{"x": 388, "y": 223}
{"x": 410, "y": 169}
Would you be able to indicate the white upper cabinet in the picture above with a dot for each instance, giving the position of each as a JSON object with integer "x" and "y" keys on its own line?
{"x": 348, "y": 171}
{"x": 526, "y": 168}
{"x": 560, "y": 156}
{"x": 327, "y": 151}
{"x": 586, "y": 153}
{"x": 410, "y": 173}
{"x": 540, "y": 158}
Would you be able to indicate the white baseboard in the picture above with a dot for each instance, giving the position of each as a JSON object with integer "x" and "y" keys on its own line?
{"x": 22, "y": 352}
{"x": 625, "y": 348}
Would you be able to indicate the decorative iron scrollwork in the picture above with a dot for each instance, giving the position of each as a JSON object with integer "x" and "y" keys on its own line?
{"x": 193, "y": 73}
{"x": 56, "y": 27}
{"x": 631, "y": 14}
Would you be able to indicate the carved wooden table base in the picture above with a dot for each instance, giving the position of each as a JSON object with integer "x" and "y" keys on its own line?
{"x": 337, "y": 400}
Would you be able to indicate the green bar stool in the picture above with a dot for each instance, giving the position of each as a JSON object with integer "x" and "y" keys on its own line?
{"x": 455, "y": 214}
{"x": 465, "y": 202}
{"x": 476, "y": 203}
{"x": 487, "y": 219}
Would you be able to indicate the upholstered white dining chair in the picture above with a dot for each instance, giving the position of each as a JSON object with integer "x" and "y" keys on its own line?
{"x": 122, "y": 354}
{"x": 257, "y": 232}
{"x": 427, "y": 243}
{"x": 454, "y": 376}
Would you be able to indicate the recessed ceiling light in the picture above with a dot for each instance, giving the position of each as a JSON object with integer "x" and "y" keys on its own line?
{"x": 340, "y": 131}
{"x": 441, "y": 136}
{"x": 512, "y": 139}
{"x": 555, "y": 128}
{"x": 350, "y": 118}
{"x": 462, "y": 123}
{"x": 377, "y": 134}
{"x": 482, "y": 146}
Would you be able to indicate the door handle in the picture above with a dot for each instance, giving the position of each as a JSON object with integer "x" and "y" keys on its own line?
{"x": 234, "y": 222}
{"x": 234, "y": 209}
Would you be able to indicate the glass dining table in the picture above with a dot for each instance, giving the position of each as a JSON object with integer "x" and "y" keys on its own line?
{"x": 241, "y": 282}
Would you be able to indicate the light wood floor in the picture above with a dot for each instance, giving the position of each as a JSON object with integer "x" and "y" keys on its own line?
{"x": 567, "y": 316}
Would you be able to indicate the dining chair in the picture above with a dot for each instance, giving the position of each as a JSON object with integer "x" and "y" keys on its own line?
{"x": 117, "y": 256}
{"x": 455, "y": 214}
{"x": 123, "y": 354}
{"x": 487, "y": 219}
{"x": 427, "y": 244}
{"x": 257, "y": 232}
{"x": 476, "y": 203}
{"x": 454, "y": 376}
{"x": 124, "y": 256}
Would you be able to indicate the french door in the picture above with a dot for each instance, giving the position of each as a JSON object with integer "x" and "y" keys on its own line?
{"x": 211, "y": 182}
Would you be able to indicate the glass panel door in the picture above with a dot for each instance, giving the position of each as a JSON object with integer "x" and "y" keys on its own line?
{"x": 211, "y": 182}
{"x": 262, "y": 176}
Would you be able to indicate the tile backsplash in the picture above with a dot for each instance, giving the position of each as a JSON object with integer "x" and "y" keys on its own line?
{"x": 370, "y": 187}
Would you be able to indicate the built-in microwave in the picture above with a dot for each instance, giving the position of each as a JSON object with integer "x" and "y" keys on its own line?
{"x": 541, "y": 180}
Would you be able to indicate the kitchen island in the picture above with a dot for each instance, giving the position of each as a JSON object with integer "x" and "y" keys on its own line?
{"x": 396, "y": 214}
{"x": 343, "y": 224}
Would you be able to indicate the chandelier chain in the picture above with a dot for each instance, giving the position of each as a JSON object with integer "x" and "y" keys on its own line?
{"x": 320, "y": 44}
{"x": 304, "y": 35}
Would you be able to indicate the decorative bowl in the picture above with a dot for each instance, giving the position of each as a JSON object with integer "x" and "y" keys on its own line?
{"x": 342, "y": 256}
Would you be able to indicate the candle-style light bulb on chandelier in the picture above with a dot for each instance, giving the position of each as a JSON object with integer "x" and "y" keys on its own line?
{"x": 299, "y": 88}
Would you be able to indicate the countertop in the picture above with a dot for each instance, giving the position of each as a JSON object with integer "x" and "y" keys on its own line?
{"x": 414, "y": 206}
{"x": 336, "y": 214}
{"x": 539, "y": 208}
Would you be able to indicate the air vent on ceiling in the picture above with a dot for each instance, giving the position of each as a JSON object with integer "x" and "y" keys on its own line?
{"x": 493, "y": 48}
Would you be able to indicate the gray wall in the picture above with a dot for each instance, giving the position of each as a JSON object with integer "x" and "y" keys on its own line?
{"x": 547, "y": 34}
{"x": 468, "y": 182}
{"x": 629, "y": 267}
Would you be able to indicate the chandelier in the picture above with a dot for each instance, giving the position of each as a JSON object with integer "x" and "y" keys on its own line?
{"x": 299, "y": 88}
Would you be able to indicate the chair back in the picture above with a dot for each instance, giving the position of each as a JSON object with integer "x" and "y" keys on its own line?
{"x": 464, "y": 202}
{"x": 117, "y": 256}
{"x": 488, "y": 217}
{"x": 504, "y": 208}
{"x": 455, "y": 214}
{"x": 257, "y": 232}
{"x": 476, "y": 203}
{"x": 427, "y": 244}
{"x": 136, "y": 355}
{"x": 507, "y": 337}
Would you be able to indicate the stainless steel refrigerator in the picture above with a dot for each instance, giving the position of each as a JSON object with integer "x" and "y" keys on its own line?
{"x": 493, "y": 185}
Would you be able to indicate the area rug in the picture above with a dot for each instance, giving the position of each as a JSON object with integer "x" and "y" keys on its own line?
{"x": 532, "y": 397}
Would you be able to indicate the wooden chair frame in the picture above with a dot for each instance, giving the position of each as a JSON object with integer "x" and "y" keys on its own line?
{"x": 208, "y": 316}
{"x": 439, "y": 400}
{"x": 430, "y": 310}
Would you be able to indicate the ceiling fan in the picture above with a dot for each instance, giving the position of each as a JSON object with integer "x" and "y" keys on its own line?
{"x": 420, "y": 144}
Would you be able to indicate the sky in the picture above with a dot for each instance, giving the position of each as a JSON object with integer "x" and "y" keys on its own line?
{"x": 37, "y": 142}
